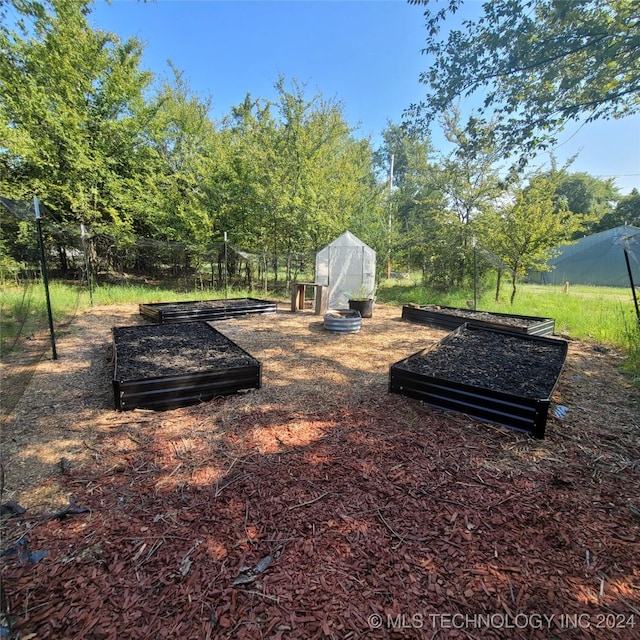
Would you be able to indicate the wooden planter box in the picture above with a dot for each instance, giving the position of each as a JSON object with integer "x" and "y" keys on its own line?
{"x": 491, "y": 374}
{"x": 190, "y": 311}
{"x": 450, "y": 318}
{"x": 164, "y": 366}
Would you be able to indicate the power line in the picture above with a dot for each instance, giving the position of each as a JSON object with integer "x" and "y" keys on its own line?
{"x": 619, "y": 175}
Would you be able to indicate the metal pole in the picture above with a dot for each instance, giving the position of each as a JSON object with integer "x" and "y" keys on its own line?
{"x": 633, "y": 288}
{"x": 390, "y": 221}
{"x": 45, "y": 279}
{"x": 226, "y": 268}
{"x": 474, "y": 242}
{"x": 83, "y": 235}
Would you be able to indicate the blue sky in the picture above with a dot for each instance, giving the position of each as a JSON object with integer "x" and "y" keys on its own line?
{"x": 362, "y": 53}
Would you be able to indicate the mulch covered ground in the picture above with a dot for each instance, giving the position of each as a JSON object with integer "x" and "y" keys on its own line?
{"x": 319, "y": 506}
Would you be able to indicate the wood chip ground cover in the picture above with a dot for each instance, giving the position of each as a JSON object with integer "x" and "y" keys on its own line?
{"x": 309, "y": 507}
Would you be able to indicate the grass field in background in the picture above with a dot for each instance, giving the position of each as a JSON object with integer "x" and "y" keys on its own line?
{"x": 601, "y": 315}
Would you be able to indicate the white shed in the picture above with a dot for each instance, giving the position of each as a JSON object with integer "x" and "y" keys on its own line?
{"x": 346, "y": 265}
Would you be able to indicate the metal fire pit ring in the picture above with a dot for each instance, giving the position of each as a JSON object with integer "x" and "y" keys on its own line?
{"x": 342, "y": 320}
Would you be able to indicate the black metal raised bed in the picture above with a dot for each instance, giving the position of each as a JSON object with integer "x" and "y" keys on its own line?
{"x": 452, "y": 317}
{"x": 189, "y": 311}
{"x": 164, "y": 366}
{"x": 491, "y": 374}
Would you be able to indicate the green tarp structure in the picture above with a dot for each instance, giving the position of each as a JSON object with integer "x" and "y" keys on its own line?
{"x": 598, "y": 259}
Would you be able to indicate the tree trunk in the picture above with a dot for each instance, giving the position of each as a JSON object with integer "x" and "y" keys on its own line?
{"x": 513, "y": 288}
{"x": 62, "y": 255}
{"x": 248, "y": 275}
{"x": 498, "y": 283}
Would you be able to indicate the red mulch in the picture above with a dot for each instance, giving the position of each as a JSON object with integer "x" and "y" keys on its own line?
{"x": 443, "y": 526}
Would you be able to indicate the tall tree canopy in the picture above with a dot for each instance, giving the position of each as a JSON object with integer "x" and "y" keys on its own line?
{"x": 70, "y": 100}
{"x": 144, "y": 166}
{"x": 534, "y": 65}
{"x": 410, "y": 194}
{"x": 627, "y": 211}
{"x": 469, "y": 179}
{"x": 593, "y": 197}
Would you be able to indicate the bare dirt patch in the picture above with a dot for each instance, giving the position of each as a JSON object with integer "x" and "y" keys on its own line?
{"x": 304, "y": 508}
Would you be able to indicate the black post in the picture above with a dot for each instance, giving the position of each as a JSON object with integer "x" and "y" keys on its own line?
{"x": 83, "y": 235}
{"x": 475, "y": 276}
{"x": 45, "y": 279}
{"x": 226, "y": 268}
{"x": 633, "y": 287}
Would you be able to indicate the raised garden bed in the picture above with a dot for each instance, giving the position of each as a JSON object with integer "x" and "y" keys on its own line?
{"x": 452, "y": 317}
{"x": 495, "y": 375}
{"x": 164, "y": 366}
{"x": 190, "y": 311}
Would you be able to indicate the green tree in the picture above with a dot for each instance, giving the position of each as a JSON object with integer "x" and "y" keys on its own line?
{"x": 298, "y": 176}
{"x": 470, "y": 180}
{"x": 627, "y": 211}
{"x": 534, "y": 66}
{"x": 414, "y": 197}
{"x": 586, "y": 194}
{"x": 323, "y": 174}
{"x": 524, "y": 233}
{"x": 182, "y": 136}
{"x": 71, "y": 101}
{"x": 244, "y": 135}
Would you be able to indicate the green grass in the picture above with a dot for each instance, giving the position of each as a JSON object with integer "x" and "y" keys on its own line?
{"x": 596, "y": 314}
{"x": 23, "y": 310}
{"x": 119, "y": 294}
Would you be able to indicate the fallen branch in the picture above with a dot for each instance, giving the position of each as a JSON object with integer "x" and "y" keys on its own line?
{"x": 439, "y": 499}
{"x": 631, "y": 608}
{"x": 386, "y": 524}
{"x": 304, "y": 504}
{"x": 219, "y": 489}
{"x": 496, "y": 504}
{"x": 276, "y": 599}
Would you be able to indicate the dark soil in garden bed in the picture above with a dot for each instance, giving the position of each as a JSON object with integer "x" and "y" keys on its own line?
{"x": 496, "y": 360}
{"x": 484, "y": 316}
{"x": 152, "y": 351}
{"x": 235, "y": 303}
{"x": 190, "y": 311}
